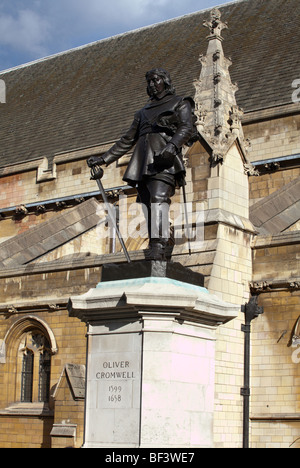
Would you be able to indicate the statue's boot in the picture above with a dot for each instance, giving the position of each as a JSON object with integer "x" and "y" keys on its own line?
{"x": 159, "y": 231}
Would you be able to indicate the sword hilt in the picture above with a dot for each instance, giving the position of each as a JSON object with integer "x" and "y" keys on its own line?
{"x": 97, "y": 172}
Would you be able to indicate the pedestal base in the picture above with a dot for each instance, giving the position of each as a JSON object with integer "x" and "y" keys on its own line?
{"x": 150, "y": 363}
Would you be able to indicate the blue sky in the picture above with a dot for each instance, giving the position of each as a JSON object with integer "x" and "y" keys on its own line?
{"x": 32, "y": 29}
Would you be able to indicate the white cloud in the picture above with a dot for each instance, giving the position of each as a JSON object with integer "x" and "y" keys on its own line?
{"x": 95, "y": 19}
{"x": 27, "y": 32}
{"x": 128, "y": 13}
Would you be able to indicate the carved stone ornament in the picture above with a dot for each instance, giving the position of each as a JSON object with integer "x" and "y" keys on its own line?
{"x": 295, "y": 285}
{"x": 216, "y": 159}
{"x": 53, "y": 307}
{"x": 273, "y": 166}
{"x": 11, "y": 310}
{"x": 258, "y": 287}
{"x": 21, "y": 210}
{"x": 215, "y": 25}
{"x": 250, "y": 170}
{"x": 236, "y": 115}
{"x": 41, "y": 209}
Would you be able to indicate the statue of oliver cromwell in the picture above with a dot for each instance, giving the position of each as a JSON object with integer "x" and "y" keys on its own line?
{"x": 158, "y": 132}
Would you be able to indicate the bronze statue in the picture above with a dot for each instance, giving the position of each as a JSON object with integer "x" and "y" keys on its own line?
{"x": 156, "y": 168}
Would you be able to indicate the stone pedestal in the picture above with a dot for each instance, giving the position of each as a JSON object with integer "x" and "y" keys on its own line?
{"x": 150, "y": 360}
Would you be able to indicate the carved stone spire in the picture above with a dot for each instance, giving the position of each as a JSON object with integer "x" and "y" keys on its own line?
{"x": 219, "y": 117}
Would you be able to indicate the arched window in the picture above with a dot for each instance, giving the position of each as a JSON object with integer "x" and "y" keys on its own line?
{"x": 26, "y": 351}
{"x": 35, "y": 353}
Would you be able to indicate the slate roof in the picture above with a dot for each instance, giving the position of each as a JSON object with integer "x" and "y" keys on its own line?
{"x": 278, "y": 211}
{"x": 49, "y": 235}
{"x": 87, "y": 96}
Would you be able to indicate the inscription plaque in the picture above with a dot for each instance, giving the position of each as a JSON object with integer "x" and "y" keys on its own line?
{"x": 114, "y": 381}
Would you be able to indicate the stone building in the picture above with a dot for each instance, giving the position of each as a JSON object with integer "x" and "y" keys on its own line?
{"x": 243, "y": 190}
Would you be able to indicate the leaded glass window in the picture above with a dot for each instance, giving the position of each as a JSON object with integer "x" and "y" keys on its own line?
{"x": 27, "y": 376}
{"x": 36, "y": 368}
{"x": 44, "y": 376}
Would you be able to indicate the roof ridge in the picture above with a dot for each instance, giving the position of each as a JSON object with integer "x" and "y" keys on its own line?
{"x": 116, "y": 36}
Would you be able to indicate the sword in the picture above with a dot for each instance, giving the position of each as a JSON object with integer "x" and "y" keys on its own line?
{"x": 97, "y": 174}
{"x": 186, "y": 219}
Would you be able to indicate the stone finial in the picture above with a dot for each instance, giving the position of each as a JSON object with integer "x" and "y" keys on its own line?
{"x": 215, "y": 25}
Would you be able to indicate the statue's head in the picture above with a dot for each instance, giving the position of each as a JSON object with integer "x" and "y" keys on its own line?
{"x": 164, "y": 75}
